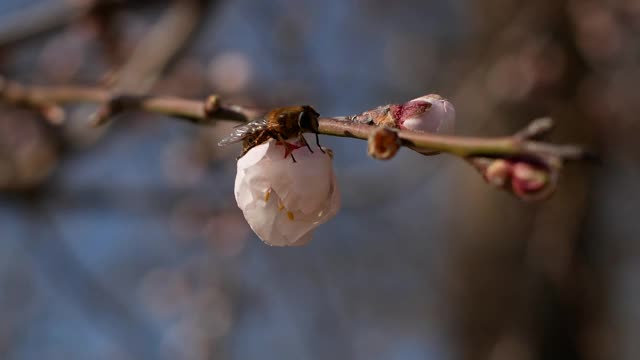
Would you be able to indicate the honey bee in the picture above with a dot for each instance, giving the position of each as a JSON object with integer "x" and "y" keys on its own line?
{"x": 280, "y": 124}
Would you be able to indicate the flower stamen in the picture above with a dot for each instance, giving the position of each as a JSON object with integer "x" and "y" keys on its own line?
{"x": 290, "y": 215}
{"x": 267, "y": 195}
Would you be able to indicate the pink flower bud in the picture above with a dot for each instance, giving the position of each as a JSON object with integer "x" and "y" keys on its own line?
{"x": 530, "y": 182}
{"x": 284, "y": 201}
{"x": 430, "y": 113}
{"x": 527, "y": 181}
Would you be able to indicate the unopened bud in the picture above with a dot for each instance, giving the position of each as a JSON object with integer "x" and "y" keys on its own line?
{"x": 430, "y": 113}
{"x": 525, "y": 180}
{"x": 498, "y": 172}
{"x": 531, "y": 182}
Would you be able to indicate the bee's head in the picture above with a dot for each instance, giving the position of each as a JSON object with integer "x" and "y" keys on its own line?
{"x": 308, "y": 119}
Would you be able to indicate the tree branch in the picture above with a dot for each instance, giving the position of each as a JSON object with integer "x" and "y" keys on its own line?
{"x": 518, "y": 148}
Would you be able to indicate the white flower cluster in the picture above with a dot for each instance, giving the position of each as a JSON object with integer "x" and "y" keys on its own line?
{"x": 284, "y": 201}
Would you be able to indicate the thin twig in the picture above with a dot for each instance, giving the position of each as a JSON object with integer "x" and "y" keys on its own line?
{"x": 536, "y": 129}
{"x": 201, "y": 112}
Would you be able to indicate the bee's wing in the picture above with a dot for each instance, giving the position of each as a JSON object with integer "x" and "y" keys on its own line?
{"x": 243, "y": 130}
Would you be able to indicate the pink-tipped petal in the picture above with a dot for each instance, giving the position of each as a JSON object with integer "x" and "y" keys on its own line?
{"x": 429, "y": 113}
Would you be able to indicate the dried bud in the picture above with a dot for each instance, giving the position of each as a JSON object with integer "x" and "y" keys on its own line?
{"x": 284, "y": 201}
{"x": 383, "y": 144}
{"x": 429, "y": 113}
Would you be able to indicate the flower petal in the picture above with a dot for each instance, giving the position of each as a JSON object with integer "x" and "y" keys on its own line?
{"x": 284, "y": 201}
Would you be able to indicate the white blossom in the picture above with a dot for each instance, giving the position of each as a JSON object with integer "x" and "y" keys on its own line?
{"x": 438, "y": 118}
{"x": 284, "y": 201}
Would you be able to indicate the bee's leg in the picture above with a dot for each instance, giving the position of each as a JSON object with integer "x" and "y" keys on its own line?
{"x": 288, "y": 148}
{"x": 304, "y": 141}
{"x": 318, "y": 143}
{"x": 291, "y": 153}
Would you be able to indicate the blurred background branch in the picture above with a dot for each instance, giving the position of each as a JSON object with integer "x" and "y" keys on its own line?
{"x": 41, "y": 18}
{"x": 159, "y": 47}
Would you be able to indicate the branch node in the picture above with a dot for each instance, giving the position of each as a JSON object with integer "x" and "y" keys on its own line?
{"x": 211, "y": 106}
{"x": 114, "y": 106}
